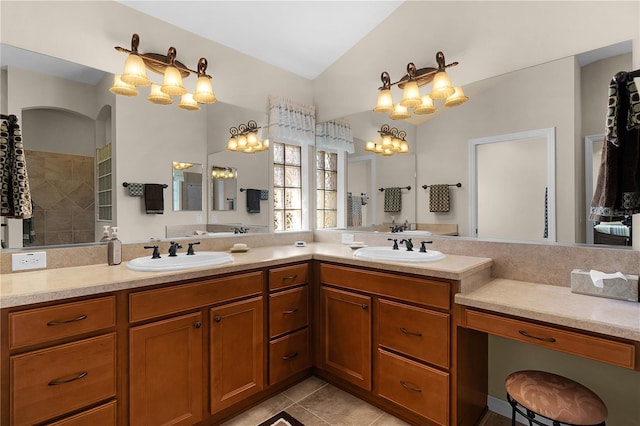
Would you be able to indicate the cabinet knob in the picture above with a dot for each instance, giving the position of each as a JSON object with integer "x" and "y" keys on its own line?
{"x": 364, "y": 306}
{"x": 217, "y": 318}
{"x": 198, "y": 324}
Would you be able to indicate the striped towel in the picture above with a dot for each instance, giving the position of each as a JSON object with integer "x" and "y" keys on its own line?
{"x": 439, "y": 198}
{"x": 393, "y": 199}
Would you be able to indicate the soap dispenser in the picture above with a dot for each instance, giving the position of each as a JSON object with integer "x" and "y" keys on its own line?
{"x": 114, "y": 248}
{"x": 105, "y": 234}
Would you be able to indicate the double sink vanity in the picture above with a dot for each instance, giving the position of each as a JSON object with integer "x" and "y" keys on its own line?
{"x": 196, "y": 345}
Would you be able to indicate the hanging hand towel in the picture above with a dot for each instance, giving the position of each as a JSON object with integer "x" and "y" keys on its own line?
{"x": 135, "y": 189}
{"x": 154, "y": 198}
{"x": 253, "y": 200}
{"x": 439, "y": 198}
{"x": 393, "y": 199}
{"x": 15, "y": 194}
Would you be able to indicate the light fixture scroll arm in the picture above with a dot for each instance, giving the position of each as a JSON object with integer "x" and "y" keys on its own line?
{"x": 441, "y": 62}
{"x": 202, "y": 67}
{"x": 386, "y": 81}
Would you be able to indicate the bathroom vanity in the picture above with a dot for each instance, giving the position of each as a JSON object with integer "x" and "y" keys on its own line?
{"x": 107, "y": 345}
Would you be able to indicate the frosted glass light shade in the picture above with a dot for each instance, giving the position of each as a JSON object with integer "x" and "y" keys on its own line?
{"x": 386, "y": 142}
{"x": 404, "y": 147}
{"x": 411, "y": 95}
{"x": 121, "y": 88}
{"x": 157, "y": 96}
{"x": 399, "y": 113}
{"x": 426, "y": 107}
{"x": 265, "y": 144}
{"x": 135, "y": 71}
{"x": 172, "y": 83}
{"x": 458, "y": 98}
{"x": 232, "y": 145}
{"x": 385, "y": 102}
{"x": 252, "y": 139}
{"x": 369, "y": 146}
{"x": 204, "y": 91}
{"x": 442, "y": 87}
{"x": 242, "y": 142}
{"x": 187, "y": 102}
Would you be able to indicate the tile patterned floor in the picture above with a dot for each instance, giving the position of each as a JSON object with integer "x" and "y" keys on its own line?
{"x": 317, "y": 403}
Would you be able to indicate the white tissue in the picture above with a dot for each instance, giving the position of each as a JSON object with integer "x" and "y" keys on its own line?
{"x": 598, "y": 277}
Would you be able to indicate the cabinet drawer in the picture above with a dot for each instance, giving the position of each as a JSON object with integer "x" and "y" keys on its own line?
{"x": 417, "y": 332}
{"x": 54, "y": 322}
{"x": 610, "y": 351}
{"x": 165, "y": 301}
{"x": 288, "y": 276}
{"x": 414, "y": 386}
{"x": 104, "y": 415}
{"x": 288, "y": 310}
{"x": 288, "y": 355}
{"x": 53, "y": 381}
{"x": 418, "y": 290}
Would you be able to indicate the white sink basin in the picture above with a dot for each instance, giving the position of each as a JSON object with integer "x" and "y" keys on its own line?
{"x": 201, "y": 259}
{"x": 402, "y": 255}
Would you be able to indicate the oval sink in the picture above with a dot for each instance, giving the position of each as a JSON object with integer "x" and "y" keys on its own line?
{"x": 402, "y": 255}
{"x": 181, "y": 261}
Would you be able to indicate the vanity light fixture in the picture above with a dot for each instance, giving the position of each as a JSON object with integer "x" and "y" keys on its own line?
{"x": 411, "y": 98}
{"x": 181, "y": 166}
{"x": 173, "y": 71}
{"x": 222, "y": 173}
{"x": 392, "y": 141}
{"x": 244, "y": 138}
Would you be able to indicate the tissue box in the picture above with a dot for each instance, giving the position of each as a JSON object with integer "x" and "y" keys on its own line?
{"x": 615, "y": 288}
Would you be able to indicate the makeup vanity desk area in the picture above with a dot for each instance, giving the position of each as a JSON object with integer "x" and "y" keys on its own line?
{"x": 553, "y": 317}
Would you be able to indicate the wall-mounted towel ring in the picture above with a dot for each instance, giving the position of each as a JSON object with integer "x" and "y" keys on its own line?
{"x": 408, "y": 188}
{"x": 459, "y": 185}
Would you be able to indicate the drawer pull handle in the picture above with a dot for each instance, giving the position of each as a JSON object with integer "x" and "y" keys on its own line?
{"x": 57, "y": 382}
{"x": 411, "y": 333}
{"x": 290, "y": 277}
{"x": 544, "y": 339}
{"x": 292, "y": 311}
{"x": 411, "y": 388}
{"x": 80, "y": 318}
{"x": 288, "y": 357}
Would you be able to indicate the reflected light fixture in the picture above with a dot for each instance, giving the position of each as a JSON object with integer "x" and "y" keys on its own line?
{"x": 173, "y": 72}
{"x": 411, "y": 82}
{"x": 181, "y": 166}
{"x": 391, "y": 141}
{"x": 218, "y": 172}
{"x": 244, "y": 138}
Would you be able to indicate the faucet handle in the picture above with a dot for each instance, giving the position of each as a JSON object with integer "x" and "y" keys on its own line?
{"x": 395, "y": 243}
{"x": 156, "y": 252}
{"x": 190, "y": 251}
{"x": 423, "y": 248}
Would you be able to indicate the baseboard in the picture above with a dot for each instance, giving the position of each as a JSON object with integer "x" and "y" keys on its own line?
{"x": 502, "y": 407}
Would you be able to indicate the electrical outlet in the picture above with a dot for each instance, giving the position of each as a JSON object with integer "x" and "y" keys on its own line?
{"x": 25, "y": 261}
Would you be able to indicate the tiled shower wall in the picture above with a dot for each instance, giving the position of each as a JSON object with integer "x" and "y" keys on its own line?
{"x": 62, "y": 191}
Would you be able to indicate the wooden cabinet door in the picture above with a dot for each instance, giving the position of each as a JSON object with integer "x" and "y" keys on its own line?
{"x": 166, "y": 372}
{"x": 346, "y": 335}
{"x": 237, "y": 352}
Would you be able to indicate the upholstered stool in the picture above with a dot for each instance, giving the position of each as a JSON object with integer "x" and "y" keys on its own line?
{"x": 554, "y": 397}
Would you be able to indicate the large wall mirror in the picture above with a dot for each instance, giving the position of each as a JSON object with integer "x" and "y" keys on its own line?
{"x": 80, "y": 116}
{"x": 569, "y": 95}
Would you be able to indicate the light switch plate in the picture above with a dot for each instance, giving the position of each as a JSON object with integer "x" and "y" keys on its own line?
{"x": 25, "y": 261}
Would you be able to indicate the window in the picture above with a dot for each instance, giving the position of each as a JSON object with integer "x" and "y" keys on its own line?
{"x": 287, "y": 187}
{"x": 326, "y": 189}
{"x": 103, "y": 164}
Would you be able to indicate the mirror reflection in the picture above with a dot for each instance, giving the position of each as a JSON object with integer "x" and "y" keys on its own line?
{"x": 223, "y": 183}
{"x": 187, "y": 186}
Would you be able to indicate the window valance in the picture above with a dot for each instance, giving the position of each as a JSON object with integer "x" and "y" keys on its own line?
{"x": 291, "y": 122}
{"x": 335, "y": 135}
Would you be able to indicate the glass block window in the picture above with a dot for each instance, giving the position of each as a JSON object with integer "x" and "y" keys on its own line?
{"x": 287, "y": 187}
{"x": 105, "y": 193}
{"x": 326, "y": 189}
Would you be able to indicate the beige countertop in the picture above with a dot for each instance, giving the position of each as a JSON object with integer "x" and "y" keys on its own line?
{"x": 556, "y": 305}
{"x": 24, "y": 288}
